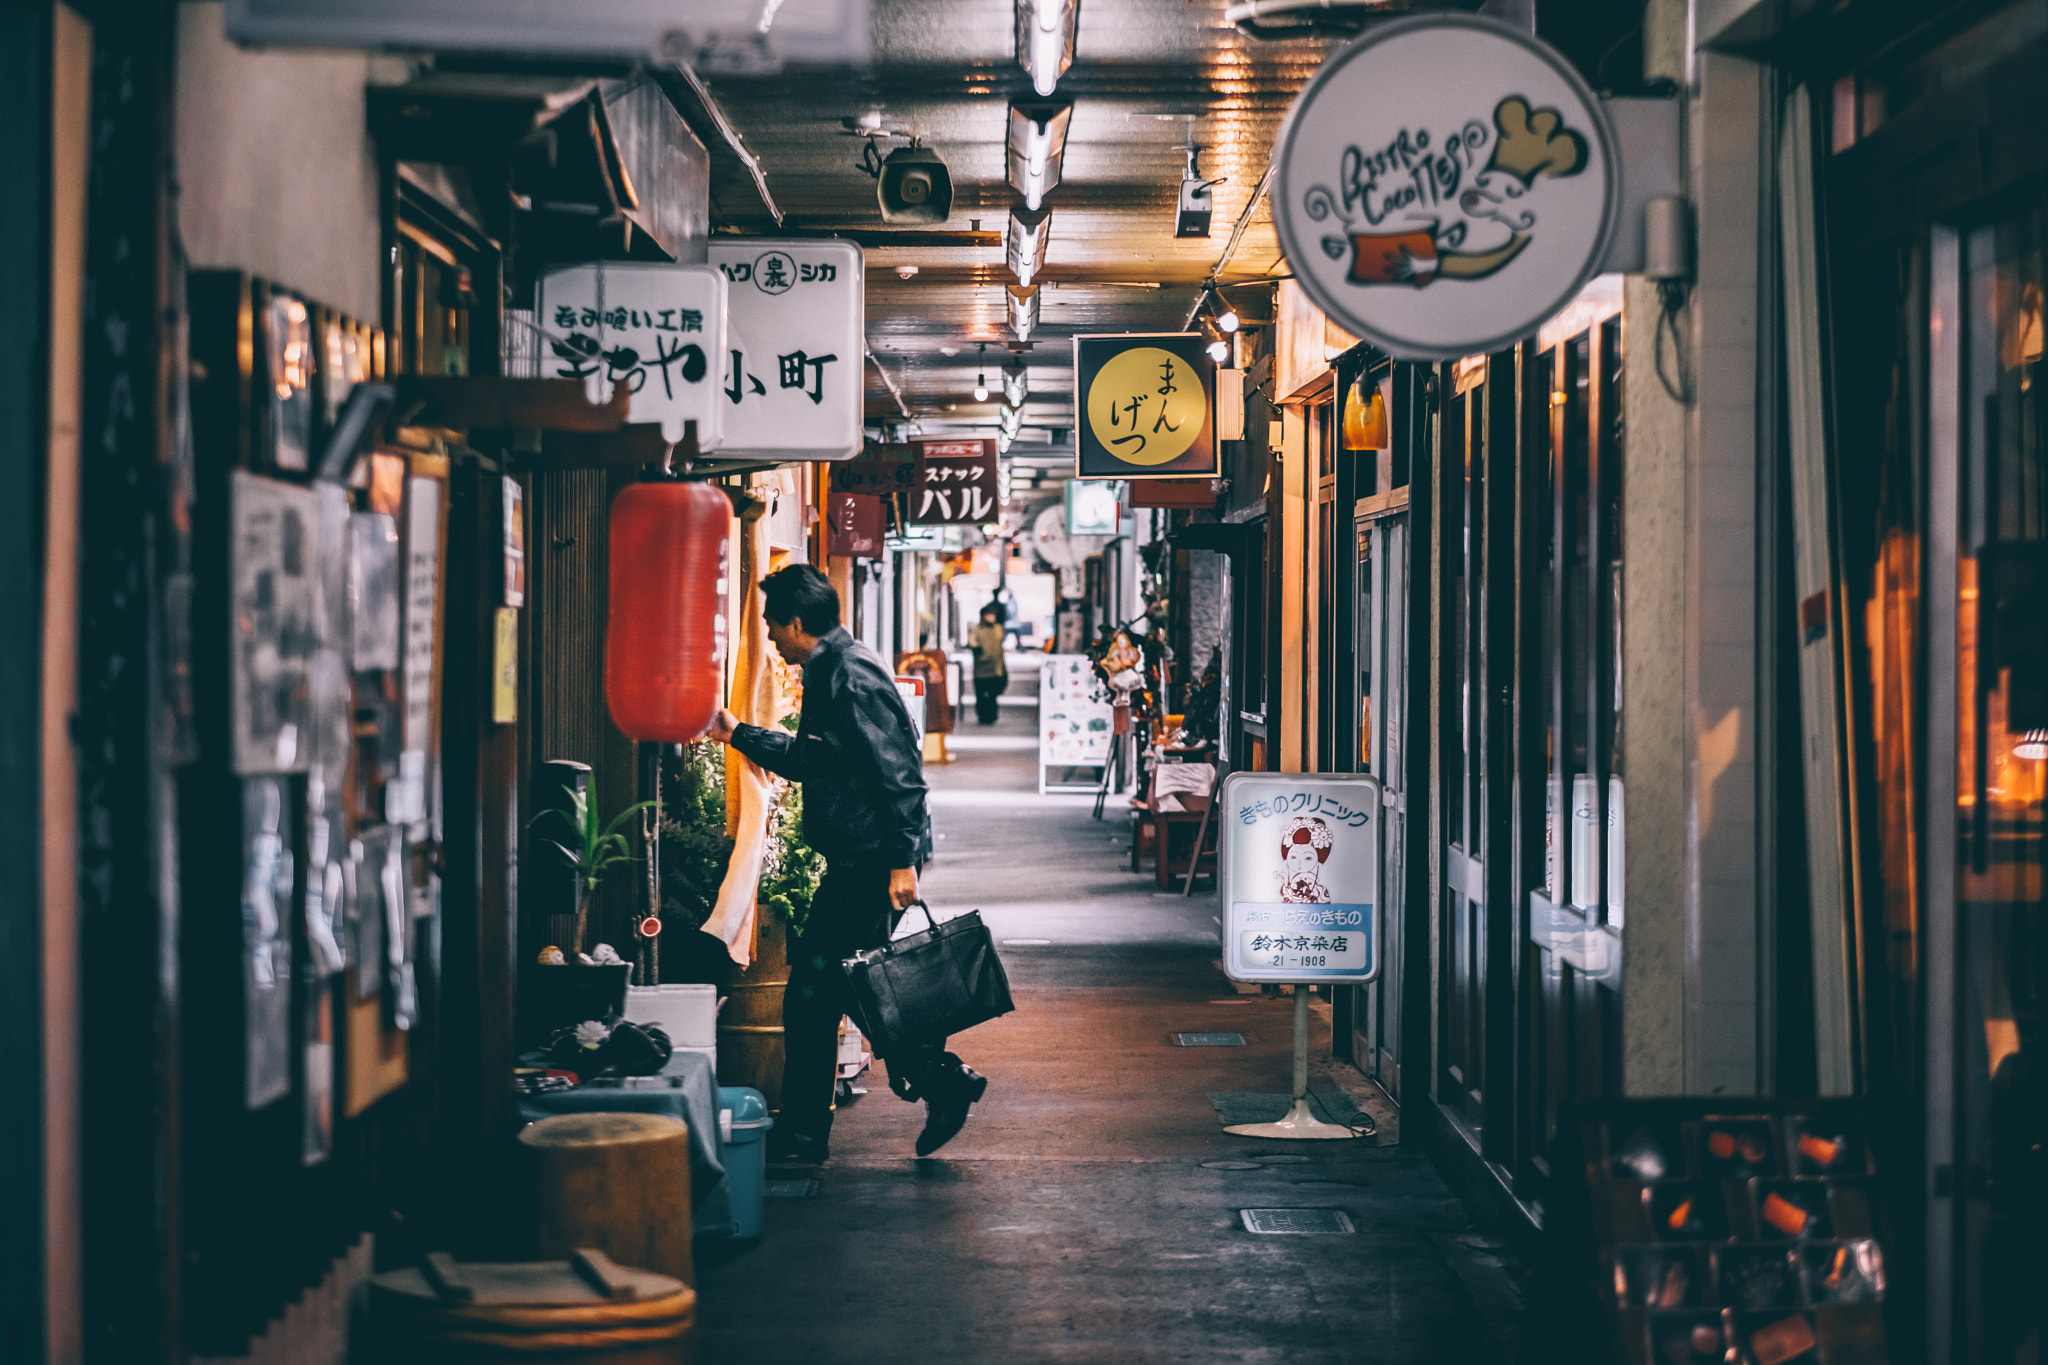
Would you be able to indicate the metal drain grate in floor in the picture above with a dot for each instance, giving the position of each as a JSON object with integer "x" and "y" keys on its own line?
{"x": 1209, "y": 1039}
{"x": 1281, "y": 1221}
{"x": 791, "y": 1189}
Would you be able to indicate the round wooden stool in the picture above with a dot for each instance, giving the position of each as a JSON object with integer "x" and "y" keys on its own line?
{"x": 617, "y": 1182}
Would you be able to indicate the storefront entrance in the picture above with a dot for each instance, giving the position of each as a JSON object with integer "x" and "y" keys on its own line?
{"x": 1941, "y": 497}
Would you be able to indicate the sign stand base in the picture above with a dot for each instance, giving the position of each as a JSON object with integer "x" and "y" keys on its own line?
{"x": 1299, "y": 1123}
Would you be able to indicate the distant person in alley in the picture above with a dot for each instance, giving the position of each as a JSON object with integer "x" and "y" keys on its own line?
{"x": 862, "y": 769}
{"x": 991, "y": 674}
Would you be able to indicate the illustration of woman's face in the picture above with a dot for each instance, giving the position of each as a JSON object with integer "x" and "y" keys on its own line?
{"x": 1301, "y": 860}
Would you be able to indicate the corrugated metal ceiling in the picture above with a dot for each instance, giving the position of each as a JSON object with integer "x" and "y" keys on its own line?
{"x": 1148, "y": 74}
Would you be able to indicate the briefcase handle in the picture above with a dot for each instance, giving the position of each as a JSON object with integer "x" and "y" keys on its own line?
{"x": 930, "y": 920}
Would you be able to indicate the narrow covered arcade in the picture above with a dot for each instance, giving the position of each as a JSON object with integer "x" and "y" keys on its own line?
{"x": 1013, "y": 681}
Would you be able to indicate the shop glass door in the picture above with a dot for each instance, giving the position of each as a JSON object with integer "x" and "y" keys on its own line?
{"x": 1381, "y": 654}
{"x": 1987, "y": 909}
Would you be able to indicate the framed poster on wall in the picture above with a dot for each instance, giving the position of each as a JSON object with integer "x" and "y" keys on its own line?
{"x": 1147, "y": 405}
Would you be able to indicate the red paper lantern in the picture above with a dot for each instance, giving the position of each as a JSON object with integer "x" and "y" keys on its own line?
{"x": 664, "y": 647}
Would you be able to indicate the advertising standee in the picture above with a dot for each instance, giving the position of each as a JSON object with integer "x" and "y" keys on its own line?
{"x": 1299, "y": 863}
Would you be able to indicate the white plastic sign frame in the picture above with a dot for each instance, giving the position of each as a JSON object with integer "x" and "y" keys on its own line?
{"x": 1300, "y": 869}
{"x": 1445, "y": 184}
{"x": 658, "y": 329}
{"x": 794, "y": 374}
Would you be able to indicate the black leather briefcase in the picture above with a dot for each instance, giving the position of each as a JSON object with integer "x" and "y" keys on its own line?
{"x": 923, "y": 987}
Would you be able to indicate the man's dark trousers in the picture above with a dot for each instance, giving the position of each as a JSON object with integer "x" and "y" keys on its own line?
{"x": 850, "y": 913}
{"x": 986, "y": 690}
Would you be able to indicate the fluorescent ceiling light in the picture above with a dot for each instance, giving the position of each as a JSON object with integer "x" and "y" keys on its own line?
{"x": 1045, "y": 40}
{"x": 1015, "y": 386}
{"x": 1030, "y": 230}
{"x": 1038, "y": 143}
{"x": 1023, "y": 311}
{"x": 1011, "y": 421}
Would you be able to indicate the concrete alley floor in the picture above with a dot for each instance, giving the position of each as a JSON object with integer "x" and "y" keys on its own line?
{"x": 1090, "y": 1210}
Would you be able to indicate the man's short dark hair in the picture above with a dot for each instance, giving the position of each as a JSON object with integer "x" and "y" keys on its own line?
{"x": 800, "y": 593}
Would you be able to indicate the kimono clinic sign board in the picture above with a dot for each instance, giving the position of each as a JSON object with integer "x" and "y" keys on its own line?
{"x": 792, "y": 376}
{"x": 1148, "y": 407}
{"x": 657, "y": 329}
{"x": 1445, "y": 184}
{"x": 1299, "y": 861}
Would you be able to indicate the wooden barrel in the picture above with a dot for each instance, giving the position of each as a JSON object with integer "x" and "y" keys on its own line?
{"x": 750, "y": 1049}
{"x": 619, "y": 1182}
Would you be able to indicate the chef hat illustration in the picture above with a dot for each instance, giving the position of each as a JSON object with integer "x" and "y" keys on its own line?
{"x": 1306, "y": 829}
{"x": 1534, "y": 142}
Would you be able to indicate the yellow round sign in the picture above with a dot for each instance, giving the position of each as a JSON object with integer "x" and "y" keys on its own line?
{"x": 1147, "y": 406}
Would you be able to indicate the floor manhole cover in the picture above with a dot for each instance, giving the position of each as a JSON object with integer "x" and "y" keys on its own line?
{"x": 1209, "y": 1039}
{"x": 1278, "y": 1221}
{"x": 790, "y": 1189}
{"x": 1230, "y": 1166}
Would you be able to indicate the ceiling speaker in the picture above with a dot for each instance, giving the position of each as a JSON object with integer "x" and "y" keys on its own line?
{"x": 914, "y": 187}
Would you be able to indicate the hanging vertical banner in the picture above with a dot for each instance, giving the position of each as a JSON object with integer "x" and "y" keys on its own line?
{"x": 1443, "y": 185}
{"x": 505, "y": 667}
{"x": 1147, "y": 407}
{"x": 854, "y": 525}
{"x": 956, "y": 484}
{"x": 405, "y": 796}
{"x": 515, "y": 544}
{"x": 658, "y": 329}
{"x": 1299, "y": 864}
{"x": 792, "y": 373}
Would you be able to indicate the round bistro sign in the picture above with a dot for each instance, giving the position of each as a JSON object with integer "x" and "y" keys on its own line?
{"x": 1445, "y": 185}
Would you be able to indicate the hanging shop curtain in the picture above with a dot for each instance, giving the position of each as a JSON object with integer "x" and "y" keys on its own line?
{"x": 756, "y": 700}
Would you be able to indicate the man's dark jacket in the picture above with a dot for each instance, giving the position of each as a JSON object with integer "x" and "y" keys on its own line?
{"x": 857, "y": 755}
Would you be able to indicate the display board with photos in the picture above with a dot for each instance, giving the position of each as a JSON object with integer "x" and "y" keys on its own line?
{"x": 1727, "y": 1230}
{"x": 1076, "y": 720}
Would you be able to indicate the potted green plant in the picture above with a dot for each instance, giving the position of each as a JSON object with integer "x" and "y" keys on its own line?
{"x": 597, "y": 849}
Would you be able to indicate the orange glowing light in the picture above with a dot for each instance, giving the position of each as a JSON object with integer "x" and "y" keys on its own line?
{"x": 1784, "y": 1215}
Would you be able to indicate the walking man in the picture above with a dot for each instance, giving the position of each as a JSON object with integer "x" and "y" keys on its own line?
{"x": 862, "y": 770}
{"x": 991, "y": 674}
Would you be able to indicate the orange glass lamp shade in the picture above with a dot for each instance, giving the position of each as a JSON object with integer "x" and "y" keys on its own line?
{"x": 664, "y": 648}
{"x": 1365, "y": 418}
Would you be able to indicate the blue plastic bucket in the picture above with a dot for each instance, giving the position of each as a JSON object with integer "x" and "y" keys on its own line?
{"x": 743, "y": 1142}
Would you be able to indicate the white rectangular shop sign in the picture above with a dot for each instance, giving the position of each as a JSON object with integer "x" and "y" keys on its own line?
{"x": 658, "y": 329}
{"x": 793, "y": 373}
{"x": 1300, "y": 870}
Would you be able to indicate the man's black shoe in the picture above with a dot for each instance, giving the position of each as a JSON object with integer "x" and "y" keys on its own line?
{"x": 947, "y": 1111}
{"x": 796, "y": 1149}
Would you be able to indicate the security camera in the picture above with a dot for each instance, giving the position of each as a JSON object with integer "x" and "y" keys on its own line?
{"x": 914, "y": 187}
{"x": 1196, "y": 203}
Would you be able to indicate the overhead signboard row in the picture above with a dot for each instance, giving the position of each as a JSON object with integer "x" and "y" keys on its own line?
{"x": 761, "y": 348}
